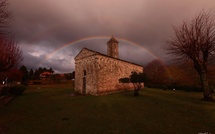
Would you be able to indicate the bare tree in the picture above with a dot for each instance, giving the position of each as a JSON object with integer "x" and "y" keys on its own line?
{"x": 10, "y": 54}
{"x": 156, "y": 72}
{"x": 181, "y": 75}
{"x": 5, "y": 18}
{"x": 176, "y": 75}
{"x": 195, "y": 41}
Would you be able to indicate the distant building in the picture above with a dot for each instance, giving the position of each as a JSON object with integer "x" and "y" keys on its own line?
{"x": 45, "y": 75}
{"x": 97, "y": 73}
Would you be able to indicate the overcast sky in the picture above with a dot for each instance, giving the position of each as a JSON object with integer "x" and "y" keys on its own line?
{"x": 52, "y": 32}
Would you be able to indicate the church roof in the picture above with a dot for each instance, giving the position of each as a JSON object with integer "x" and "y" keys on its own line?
{"x": 97, "y": 53}
{"x": 112, "y": 39}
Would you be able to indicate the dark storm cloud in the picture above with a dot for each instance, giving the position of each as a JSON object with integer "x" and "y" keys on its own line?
{"x": 42, "y": 26}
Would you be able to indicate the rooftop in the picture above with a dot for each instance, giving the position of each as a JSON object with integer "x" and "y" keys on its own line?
{"x": 112, "y": 39}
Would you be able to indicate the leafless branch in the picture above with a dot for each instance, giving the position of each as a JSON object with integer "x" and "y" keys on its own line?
{"x": 195, "y": 41}
{"x": 10, "y": 53}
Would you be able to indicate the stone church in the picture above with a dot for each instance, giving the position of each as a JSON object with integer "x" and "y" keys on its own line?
{"x": 97, "y": 73}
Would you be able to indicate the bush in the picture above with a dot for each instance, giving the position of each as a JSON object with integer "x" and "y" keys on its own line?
{"x": 176, "y": 87}
{"x": 5, "y": 91}
{"x": 124, "y": 80}
{"x": 37, "y": 82}
{"x": 157, "y": 86}
{"x": 17, "y": 90}
{"x": 185, "y": 88}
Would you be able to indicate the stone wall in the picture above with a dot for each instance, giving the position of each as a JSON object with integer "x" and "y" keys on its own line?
{"x": 87, "y": 64}
{"x": 110, "y": 70}
{"x": 102, "y": 73}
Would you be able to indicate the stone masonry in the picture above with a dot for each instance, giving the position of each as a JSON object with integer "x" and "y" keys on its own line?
{"x": 96, "y": 73}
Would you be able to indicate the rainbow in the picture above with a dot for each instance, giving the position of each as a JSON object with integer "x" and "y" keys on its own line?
{"x": 97, "y": 37}
{"x": 105, "y": 37}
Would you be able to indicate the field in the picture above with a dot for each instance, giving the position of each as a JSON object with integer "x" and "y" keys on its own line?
{"x": 53, "y": 110}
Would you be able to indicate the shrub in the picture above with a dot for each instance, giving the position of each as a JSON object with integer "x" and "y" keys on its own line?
{"x": 5, "y": 91}
{"x": 186, "y": 88}
{"x": 17, "y": 90}
{"x": 124, "y": 80}
{"x": 157, "y": 86}
{"x": 37, "y": 82}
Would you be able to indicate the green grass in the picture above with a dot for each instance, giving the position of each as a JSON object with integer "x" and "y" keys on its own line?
{"x": 51, "y": 110}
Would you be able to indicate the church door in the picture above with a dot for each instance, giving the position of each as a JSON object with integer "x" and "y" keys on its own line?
{"x": 84, "y": 85}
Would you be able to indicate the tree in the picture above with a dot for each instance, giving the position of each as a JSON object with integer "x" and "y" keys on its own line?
{"x": 10, "y": 55}
{"x": 176, "y": 75}
{"x": 195, "y": 41}
{"x": 124, "y": 80}
{"x": 137, "y": 79}
{"x": 182, "y": 75}
{"x": 25, "y": 77}
{"x": 14, "y": 75}
{"x": 156, "y": 72}
{"x": 5, "y": 17}
{"x": 51, "y": 70}
{"x": 36, "y": 75}
{"x": 70, "y": 76}
{"x": 40, "y": 70}
{"x": 31, "y": 74}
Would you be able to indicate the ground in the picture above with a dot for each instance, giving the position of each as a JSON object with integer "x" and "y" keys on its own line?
{"x": 52, "y": 109}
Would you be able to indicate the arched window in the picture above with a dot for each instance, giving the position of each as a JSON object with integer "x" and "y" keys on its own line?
{"x": 85, "y": 73}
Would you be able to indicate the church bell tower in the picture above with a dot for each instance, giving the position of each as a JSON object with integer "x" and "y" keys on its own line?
{"x": 112, "y": 48}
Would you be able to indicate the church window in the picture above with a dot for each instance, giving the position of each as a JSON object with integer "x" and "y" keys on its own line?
{"x": 85, "y": 73}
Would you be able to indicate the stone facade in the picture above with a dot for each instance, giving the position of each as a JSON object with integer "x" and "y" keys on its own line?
{"x": 96, "y": 73}
{"x": 112, "y": 48}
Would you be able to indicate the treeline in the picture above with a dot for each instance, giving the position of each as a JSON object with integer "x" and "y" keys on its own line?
{"x": 24, "y": 75}
{"x": 35, "y": 74}
{"x": 175, "y": 76}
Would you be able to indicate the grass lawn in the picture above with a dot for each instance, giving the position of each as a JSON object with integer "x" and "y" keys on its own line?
{"x": 51, "y": 110}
